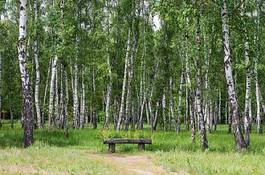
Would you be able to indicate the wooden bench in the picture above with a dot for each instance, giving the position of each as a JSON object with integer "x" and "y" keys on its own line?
{"x": 141, "y": 143}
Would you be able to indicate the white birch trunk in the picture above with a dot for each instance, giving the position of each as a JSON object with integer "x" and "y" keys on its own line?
{"x": 188, "y": 89}
{"x": 108, "y": 96}
{"x": 164, "y": 110}
{"x": 130, "y": 78}
{"x": 210, "y": 116}
{"x": 62, "y": 99}
{"x": 239, "y": 139}
{"x": 122, "y": 103}
{"x": 180, "y": 102}
{"x": 257, "y": 88}
{"x": 36, "y": 60}
{"x": 82, "y": 102}
{"x": 45, "y": 92}
{"x": 52, "y": 89}
{"x": 248, "y": 77}
{"x": 192, "y": 117}
{"x": 219, "y": 106}
{"x": 75, "y": 97}
{"x": 56, "y": 102}
{"x": 149, "y": 104}
{"x": 94, "y": 110}
{"x": 22, "y": 57}
{"x": 142, "y": 98}
{"x": 247, "y": 95}
{"x": 154, "y": 121}
{"x": 109, "y": 86}
{"x": 129, "y": 91}
{"x": 66, "y": 104}
{"x": 198, "y": 93}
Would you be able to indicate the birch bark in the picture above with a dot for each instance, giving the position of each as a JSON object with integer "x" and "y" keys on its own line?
{"x": 82, "y": 102}
{"x": 109, "y": 86}
{"x": 22, "y": 57}
{"x": 198, "y": 95}
{"x": 122, "y": 103}
{"x": 36, "y": 60}
{"x": 180, "y": 102}
{"x": 256, "y": 57}
{"x": 52, "y": 89}
{"x": 248, "y": 77}
{"x": 239, "y": 139}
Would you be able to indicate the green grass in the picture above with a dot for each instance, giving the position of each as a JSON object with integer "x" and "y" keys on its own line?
{"x": 52, "y": 152}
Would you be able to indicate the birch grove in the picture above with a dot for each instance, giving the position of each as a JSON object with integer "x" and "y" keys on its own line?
{"x": 184, "y": 66}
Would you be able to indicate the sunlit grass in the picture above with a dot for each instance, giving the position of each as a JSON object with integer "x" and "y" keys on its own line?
{"x": 52, "y": 152}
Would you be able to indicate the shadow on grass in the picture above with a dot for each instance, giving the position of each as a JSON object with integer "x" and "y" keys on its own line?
{"x": 14, "y": 138}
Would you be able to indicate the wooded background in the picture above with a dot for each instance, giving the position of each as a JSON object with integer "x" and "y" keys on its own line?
{"x": 126, "y": 63}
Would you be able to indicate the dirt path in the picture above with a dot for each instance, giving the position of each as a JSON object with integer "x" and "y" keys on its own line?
{"x": 134, "y": 164}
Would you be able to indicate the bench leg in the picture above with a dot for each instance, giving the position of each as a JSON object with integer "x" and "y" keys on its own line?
{"x": 141, "y": 147}
{"x": 112, "y": 148}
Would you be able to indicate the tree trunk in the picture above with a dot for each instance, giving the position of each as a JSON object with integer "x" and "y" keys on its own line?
{"x": 66, "y": 104}
{"x": 247, "y": 96}
{"x": 27, "y": 100}
{"x": 36, "y": 60}
{"x": 219, "y": 106}
{"x": 62, "y": 99}
{"x": 154, "y": 120}
{"x": 52, "y": 89}
{"x": 109, "y": 93}
{"x": 45, "y": 92}
{"x": 210, "y": 116}
{"x": 239, "y": 139}
{"x": 192, "y": 118}
{"x": 143, "y": 94}
{"x": 149, "y": 103}
{"x": 248, "y": 77}
{"x": 10, "y": 95}
{"x": 82, "y": 102}
{"x": 164, "y": 110}
{"x": 109, "y": 85}
{"x": 75, "y": 97}
{"x": 256, "y": 57}
{"x": 94, "y": 101}
{"x": 180, "y": 102}
{"x": 198, "y": 94}
{"x": 188, "y": 89}
{"x": 130, "y": 76}
{"x": 122, "y": 103}
{"x": 187, "y": 110}
{"x": 56, "y": 102}
{"x": 129, "y": 91}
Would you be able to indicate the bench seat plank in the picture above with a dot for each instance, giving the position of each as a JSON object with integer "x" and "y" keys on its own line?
{"x": 127, "y": 141}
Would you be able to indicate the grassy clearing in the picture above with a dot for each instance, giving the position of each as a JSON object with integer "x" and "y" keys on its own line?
{"x": 53, "y": 153}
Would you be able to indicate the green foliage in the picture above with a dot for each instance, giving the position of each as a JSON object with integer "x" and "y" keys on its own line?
{"x": 132, "y": 134}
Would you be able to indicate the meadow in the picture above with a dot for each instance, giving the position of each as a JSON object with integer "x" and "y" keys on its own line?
{"x": 83, "y": 152}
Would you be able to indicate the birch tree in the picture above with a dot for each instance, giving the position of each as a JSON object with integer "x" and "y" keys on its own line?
{"x": 239, "y": 139}
{"x": 122, "y": 103}
{"x": 198, "y": 95}
{"x": 36, "y": 60}
{"x": 22, "y": 58}
{"x": 52, "y": 88}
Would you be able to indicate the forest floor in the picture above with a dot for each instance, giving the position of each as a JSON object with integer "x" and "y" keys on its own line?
{"x": 83, "y": 152}
{"x": 116, "y": 164}
{"x": 134, "y": 164}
